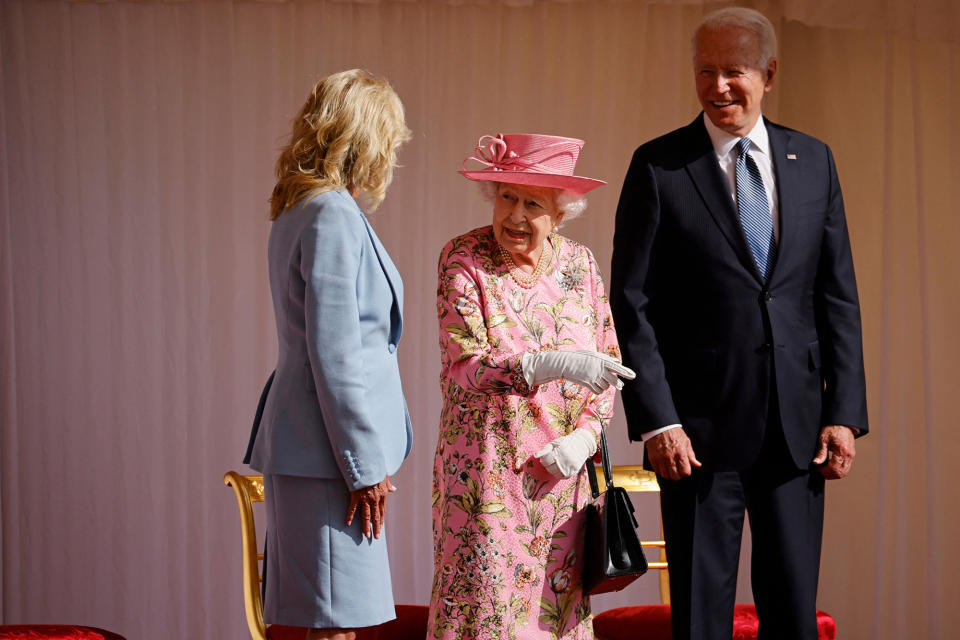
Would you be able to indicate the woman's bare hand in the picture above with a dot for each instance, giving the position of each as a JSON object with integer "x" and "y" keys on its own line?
{"x": 372, "y": 504}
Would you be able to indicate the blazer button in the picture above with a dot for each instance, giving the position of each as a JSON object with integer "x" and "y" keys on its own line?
{"x": 391, "y": 347}
{"x": 764, "y": 348}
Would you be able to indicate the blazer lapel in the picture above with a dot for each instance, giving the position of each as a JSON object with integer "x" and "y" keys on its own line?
{"x": 786, "y": 169}
{"x": 393, "y": 278}
{"x": 706, "y": 175}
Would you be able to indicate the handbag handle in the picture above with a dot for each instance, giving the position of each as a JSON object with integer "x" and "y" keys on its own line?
{"x": 605, "y": 461}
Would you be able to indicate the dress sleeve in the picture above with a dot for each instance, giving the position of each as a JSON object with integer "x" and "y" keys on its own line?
{"x": 467, "y": 357}
{"x": 599, "y": 409}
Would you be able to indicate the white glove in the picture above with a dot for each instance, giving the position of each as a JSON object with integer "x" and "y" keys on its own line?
{"x": 565, "y": 456}
{"x": 591, "y": 369}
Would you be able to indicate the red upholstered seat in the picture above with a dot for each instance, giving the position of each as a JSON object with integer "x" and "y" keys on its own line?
{"x": 54, "y": 632}
{"x": 652, "y": 622}
{"x": 410, "y": 624}
{"x": 745, "y": 624}
{"x": 281, "y": 632}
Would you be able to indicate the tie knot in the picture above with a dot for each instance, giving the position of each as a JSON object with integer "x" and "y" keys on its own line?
{"x": 743, "y": 146}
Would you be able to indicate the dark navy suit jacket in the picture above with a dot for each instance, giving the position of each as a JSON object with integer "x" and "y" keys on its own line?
{"x": 696, "y": 322}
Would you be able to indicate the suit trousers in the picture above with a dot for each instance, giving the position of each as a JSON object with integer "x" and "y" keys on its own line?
{"x": 703, "y": 524}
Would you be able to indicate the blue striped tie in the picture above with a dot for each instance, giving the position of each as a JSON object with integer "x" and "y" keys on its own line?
{"x": 754, "y": 210}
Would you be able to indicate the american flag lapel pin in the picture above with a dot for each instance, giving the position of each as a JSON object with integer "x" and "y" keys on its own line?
{"x": 791, "y": 156}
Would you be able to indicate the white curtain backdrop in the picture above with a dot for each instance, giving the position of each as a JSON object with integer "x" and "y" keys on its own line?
{"x": 137, "y": 141}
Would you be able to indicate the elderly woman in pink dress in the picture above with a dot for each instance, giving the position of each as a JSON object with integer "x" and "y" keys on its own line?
{"x": 530, "y": 364}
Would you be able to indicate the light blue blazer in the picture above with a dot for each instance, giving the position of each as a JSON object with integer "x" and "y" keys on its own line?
{"x": 335, "y": 408}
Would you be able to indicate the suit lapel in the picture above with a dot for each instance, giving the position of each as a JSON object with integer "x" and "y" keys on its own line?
{"x": 787, "y": 173}
{"x": 393, "y": 278}
{"x": 706, "y": 175}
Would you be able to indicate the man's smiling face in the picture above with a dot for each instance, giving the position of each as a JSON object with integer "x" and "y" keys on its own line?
{"x": 731, "y": 79}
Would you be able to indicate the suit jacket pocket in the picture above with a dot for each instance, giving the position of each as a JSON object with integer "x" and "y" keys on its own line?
{"x": 814, "y": 355}
{"x": 308, "y": 377}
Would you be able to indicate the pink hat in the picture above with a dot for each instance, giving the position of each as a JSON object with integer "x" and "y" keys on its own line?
{"x": 530, "y": 159}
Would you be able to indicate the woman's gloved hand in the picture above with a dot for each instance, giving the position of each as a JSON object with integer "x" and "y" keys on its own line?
{"x": 565, "y": 456}
{"x": 591, "y": 369}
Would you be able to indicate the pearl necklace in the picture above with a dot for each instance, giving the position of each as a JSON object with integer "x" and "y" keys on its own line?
{"x": 522, "y": 279}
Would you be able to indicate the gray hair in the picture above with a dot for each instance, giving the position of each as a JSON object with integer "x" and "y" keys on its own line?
{"x": 569, "y": 203}
{"x": 743, "y": 18}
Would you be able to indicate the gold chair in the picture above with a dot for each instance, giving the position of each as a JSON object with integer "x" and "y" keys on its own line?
{"x": 249, "y": 489}
{"x": 411, "y": 620}
{"x": 652, "y": 622}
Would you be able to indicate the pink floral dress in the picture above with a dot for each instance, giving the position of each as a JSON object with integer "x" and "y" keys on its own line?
{"x": 507, "y": 535}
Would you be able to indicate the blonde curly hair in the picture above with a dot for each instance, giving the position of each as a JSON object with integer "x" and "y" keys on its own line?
{"x": 345, "y": 136}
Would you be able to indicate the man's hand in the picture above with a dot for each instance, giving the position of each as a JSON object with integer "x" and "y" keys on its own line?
{"x": 836, "y": 451}
{"x": 372, "y": 503}
{"x": 671, "y": 454}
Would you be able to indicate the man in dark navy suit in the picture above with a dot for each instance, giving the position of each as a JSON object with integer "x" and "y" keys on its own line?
{"x": 735, "y": 302}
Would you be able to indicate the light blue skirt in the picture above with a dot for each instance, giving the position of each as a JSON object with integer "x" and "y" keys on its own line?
{"x": 320, "y": 573}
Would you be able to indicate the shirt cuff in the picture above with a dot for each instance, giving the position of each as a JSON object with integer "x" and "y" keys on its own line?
{"x": 649, "y": 434}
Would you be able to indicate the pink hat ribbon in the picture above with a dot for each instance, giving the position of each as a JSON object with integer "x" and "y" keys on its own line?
{"x": 544, "y": 159}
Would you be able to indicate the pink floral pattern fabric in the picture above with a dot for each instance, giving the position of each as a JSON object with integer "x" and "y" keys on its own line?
{"x": 507, "y": 535}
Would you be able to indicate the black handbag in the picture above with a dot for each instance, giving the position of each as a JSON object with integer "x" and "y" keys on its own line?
{"x": 613, "y": 557}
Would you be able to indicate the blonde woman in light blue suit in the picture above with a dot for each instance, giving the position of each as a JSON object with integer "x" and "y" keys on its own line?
{"x": 335, "y": 424}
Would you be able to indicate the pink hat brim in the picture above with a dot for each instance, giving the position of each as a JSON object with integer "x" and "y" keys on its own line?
{"x": 576, "y": 184}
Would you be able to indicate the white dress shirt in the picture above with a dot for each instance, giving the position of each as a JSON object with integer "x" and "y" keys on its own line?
{"x": 725, "y": 147}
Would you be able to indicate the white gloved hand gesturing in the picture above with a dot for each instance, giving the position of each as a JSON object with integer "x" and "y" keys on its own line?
{"x": 565, "y": 456}
{"x": 591, "y": 369}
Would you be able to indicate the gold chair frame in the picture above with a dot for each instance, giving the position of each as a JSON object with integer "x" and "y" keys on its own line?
{"x": 249, "y": 489}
